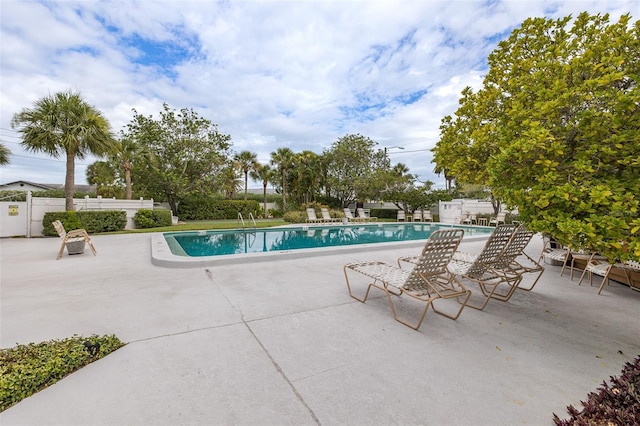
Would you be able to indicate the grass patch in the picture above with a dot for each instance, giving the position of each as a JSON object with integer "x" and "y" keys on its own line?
{"x": 27, "y": 369}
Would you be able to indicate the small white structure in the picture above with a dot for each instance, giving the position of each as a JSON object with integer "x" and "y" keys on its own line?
{"x": 452, "y": 211}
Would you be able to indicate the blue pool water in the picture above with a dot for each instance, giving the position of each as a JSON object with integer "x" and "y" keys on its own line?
{"x": 237, "y": 241}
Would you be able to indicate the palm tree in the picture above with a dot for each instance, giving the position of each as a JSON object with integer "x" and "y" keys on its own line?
{"x": 125, "y": 152}
{"x": 246, "y": 161}
{"x": 283, "y": 159}
{"x": 4, "y": 155}
{"x": 400, "y": 170}
{"x": 227, "y": 181}
{"x": 64, "y": 124}
{"x": 264, "y": 173}
{"x": 101, "y": 174}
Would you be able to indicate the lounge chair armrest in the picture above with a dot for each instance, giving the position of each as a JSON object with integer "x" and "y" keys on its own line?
{"x": 77, "y": 233}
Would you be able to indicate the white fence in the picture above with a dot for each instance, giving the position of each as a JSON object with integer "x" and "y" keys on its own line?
{"x": 24, "y": 218}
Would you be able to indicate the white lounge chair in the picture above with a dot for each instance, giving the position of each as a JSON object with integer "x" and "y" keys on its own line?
{"x": 401, "y": 217}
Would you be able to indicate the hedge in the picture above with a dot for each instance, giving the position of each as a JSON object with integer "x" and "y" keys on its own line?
{"x": 94, "y": 221}
{"x": 145, "y": 218}
{"x": 202, "y": 207}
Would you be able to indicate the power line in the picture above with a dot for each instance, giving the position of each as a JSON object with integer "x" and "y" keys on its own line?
{"x": 49, "y": 159}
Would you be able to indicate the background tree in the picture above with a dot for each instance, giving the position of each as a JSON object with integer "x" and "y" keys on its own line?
{"x": 352, "y": 163}
{"x": 4, "y": 155}
{"x": 247, "y": 162}
{"x": 188, "y": 150}
{"x": 264, "y": 174}
{"x": 305, "y": 176}
{"x": 64, "y": 124}
{"x": 282, "y": 158}
{"x": 227, "y": 181}
{"x": 554, "y": 131}
{"x": 103, "y": 176}
{"x": 125, "y": 153}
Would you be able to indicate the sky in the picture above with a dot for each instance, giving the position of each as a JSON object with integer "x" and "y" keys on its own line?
{"x": 271, "y": 74}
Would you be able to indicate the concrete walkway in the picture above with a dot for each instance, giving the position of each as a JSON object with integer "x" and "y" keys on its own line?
{"x": 281, "y": 342}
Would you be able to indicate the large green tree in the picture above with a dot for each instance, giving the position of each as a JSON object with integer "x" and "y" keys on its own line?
{"x": 64, "y": 124}
{"x": 188, "y": 151}
{"x": 352, "y": 163}
{"x": 555, "y": 130}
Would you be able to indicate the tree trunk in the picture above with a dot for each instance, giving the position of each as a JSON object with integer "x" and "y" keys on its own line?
{"x": 127, "y": 181}
{"x": 284, "y": 192}
{"x": 246, "y": 179}
{"x": 264, "y": 194}
{"x": 69, "y": 181}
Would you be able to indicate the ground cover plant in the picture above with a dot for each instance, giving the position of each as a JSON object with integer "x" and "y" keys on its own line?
{"x": 617, "y": 403}
{"x": 27, "y": 369}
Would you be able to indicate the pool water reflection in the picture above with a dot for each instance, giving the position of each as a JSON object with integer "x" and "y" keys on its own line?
{"x": 228, "y": 242}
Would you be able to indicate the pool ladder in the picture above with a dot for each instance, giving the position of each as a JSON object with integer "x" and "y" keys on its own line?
{"x": 241, "y": 220}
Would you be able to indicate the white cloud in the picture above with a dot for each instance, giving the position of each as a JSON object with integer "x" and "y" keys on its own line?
{"x": 299, "y": 74}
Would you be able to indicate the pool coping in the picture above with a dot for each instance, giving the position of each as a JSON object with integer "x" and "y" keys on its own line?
{"x": 161, "y": 254}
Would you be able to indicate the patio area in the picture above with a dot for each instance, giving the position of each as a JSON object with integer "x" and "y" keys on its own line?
{"x": 281, "y": 342}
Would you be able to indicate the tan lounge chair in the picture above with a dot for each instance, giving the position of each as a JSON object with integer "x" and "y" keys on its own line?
{"x": 326, "y": 216}
{"x": 470, "y": 219}
{"x": 311, "y": 216}
{"x": 362, "y": 215}
{"x": 599, "y": 266}
{"x": 74, "y": 240}
{"x": 427, "y": 282}
{"x": 417, "y": 216}
{"x": 498, "y": 219}
{"x": 426, "y": 216}
{"x": 516, "y": 261}
{"x": 484, "y": 268}
{"x": 552, "y": 253}
{"x": 350, "y": 217}
{"x": 401, "y": 217}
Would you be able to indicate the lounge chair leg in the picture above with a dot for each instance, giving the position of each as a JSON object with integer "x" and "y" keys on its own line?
{"x": 61, "y": 251}
{"x": 462, "y": 305}
{"x": 534, "y": 283}
{"x": 366, "y": 295}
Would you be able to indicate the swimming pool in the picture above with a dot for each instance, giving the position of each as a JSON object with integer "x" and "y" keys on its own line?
{"x": 203, "y": 248}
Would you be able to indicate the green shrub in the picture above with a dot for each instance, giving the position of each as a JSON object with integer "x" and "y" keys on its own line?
{"x": 384, "y": 213}
{"x": 27, "y": 369}
{"x": 93, "y": 221}
{"x": 163, "y": 217}
{"x": 295, "y": 217}
{"x": 146, "y": 218}
{"x": 204, "y": 207}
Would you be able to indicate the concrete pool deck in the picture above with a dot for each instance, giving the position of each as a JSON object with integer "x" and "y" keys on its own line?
{"x": 281, "y": 342}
